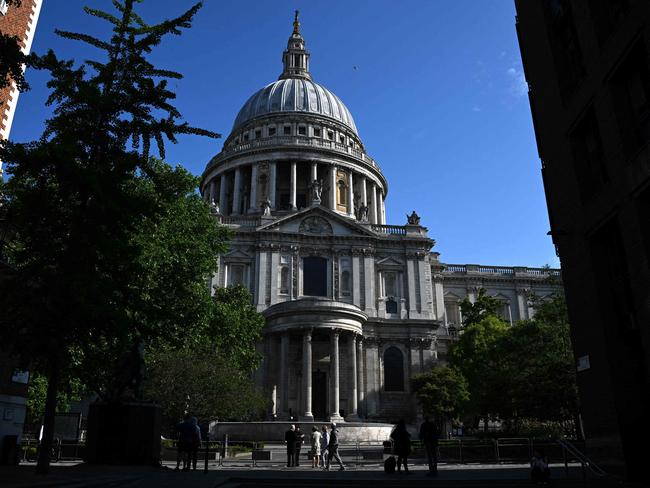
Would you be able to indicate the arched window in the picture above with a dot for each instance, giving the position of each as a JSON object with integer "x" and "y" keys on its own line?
{"x": 343, "y": 193}
{"x": 393, "y": 369}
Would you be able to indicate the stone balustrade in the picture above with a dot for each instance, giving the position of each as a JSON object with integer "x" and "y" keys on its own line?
{"x": 501, "y": 270}
{"x": 398, "y": 230}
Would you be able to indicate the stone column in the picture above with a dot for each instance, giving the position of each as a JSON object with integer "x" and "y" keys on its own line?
{"x": 373, "y": 204}
{"x": 273, "y": 178}
{"x": 333, "y": 187}
{"x": 306, "y": 376}
{"x": 364, "y": 191}
{"x": 350, "y": 194}
{"x": 253, "y": 202}
{"x": 292, "y": 188}
{"x": 211, "y": 192}
{"x": 382, "y": 203}
{"x": 236, "y": 204}
{"x": 314, "y": 172}
{"x": 223, "y": 188}
{"x": 335, "y": 414}
{"x": 284, "y": 370}
{"x": 360, "y": 385}
{"x": 353, "y": 415}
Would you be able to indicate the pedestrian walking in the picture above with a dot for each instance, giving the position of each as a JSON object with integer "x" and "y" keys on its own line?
{"x": 333, "y": 448}
{"x": 324, "y": 442}
{"x": 401, "y": 445}
{"x": 315, "y": 439}
{"x": 290, "y": 439}
{"x": 300, "y": 438}
{"x": 429, "y": 435}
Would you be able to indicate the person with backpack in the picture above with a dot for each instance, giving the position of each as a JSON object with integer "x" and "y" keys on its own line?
{"x": 401, "y": 445}
{"x": 333, "y": 448}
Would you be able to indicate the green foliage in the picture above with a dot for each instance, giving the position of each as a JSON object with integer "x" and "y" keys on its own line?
{"x": 36, "y": 397}
{"x": 483, "y": 306}
{"x": 442, "y": 392}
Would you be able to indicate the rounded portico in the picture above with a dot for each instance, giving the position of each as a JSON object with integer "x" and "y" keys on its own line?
{"x": 294, "y": 144}
{"x": 318, "y": 329}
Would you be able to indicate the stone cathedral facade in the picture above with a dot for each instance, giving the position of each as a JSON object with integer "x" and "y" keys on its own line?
{"x": 353, "y": 306}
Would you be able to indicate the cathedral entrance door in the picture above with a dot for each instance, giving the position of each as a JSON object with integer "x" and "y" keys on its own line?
{"x": 319, "y": 395}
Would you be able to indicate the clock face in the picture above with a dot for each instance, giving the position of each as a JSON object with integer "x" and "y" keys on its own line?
{"x": 21, "y": 377}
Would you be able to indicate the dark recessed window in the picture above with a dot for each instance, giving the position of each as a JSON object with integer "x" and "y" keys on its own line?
{"x": 258, "y": 134}
{"x": 287, "y": 130}
{"x": 589, "y": 160}
{"x": 316, "y": 132}
{"x": 342, "y": 139}
{"x": 302, "y": 130}
{"x": 314, "y": 276}
{"x": 330, "y": 135}
{"x": 271, "y": 131}
{"x": 391, "y": 306}
{"x": 245, "y": 137}
{"x": 393, "y": 369}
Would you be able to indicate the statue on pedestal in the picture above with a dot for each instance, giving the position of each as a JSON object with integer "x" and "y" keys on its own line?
{"x": 266, "y": 207}
{"x": 316, "y": 189}
{"x": 363, "y": 213}
{"x": 214, "y": 207}
{"x": 413, "y": 219}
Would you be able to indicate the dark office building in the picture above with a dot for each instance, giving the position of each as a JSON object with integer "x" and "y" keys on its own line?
{"x": 587, "y": 63}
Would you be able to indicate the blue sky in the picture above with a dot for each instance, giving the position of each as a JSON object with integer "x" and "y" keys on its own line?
{"x": 436, "y": 89}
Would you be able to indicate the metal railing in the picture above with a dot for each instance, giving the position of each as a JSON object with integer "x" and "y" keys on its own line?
{"x": 568, "y": 449}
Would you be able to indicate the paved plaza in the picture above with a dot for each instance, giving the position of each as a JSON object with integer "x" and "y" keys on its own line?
{"x": 75, "y": 475}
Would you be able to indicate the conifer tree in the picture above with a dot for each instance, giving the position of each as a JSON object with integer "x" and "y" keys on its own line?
{"x": 111, "y": 247}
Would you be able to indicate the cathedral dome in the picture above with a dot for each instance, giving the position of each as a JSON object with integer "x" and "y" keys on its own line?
{"x": 295, "y": 95}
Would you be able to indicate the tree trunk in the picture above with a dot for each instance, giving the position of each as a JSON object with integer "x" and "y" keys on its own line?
{"x": 43, "y": 465}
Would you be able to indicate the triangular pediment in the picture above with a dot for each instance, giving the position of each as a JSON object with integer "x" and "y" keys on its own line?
{"x": 237, "y": 254}
{"x": 316, "y": 221}
{"x": 388, "y": 262}
{"x": 451, "y": 296}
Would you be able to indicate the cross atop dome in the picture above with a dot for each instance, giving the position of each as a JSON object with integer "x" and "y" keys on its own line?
{"x": 295, "y": 59}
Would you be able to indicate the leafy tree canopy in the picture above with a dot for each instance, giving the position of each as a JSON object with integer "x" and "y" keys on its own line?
{"x": 442, "y": 392}
{"x": 483, "y": 306}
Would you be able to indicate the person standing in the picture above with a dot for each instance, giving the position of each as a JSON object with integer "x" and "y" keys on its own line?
{"x": 429, "y": 435}
{"x": 300, "y": 438}
{"x": 540, "y": 473}
{"x": 401, "y": 445}
{"x": 333, "y": 448}
{"x": 290, "y": 439}
{"x": 315, "y": 446}
{"x": 196, "y": 443}
{"x": 324, "y": 441}
{"x": 185, "y": 431}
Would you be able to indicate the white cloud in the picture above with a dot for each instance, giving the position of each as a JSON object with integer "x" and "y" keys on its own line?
{"x": 518, "y": 85}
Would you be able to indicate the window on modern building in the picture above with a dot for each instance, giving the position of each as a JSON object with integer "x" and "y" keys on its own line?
{"x": 605, "y": 15}
{"x": 393, "y": 369}
{"x": 330, "y": 135}
{"x": 345, "y": 283}
{"x": 588, "y": 157}
{"x": 284, "y": 280}
{"x": 316, "y": 132}
{"x": 565, "y": 47}
{"x": 314, "y": 276}
{"x": 287, "y": 130}
{"x": 236, "y": 274}
{"x": 271, "y": 131}
{"x": 258, "y": 133}
{"x": 631, "y": 93}
{"x": 391, "y": 306}
{"x": 302, "y": 130}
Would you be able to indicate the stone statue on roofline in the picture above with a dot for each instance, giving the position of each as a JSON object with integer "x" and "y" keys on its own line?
{"x": 214, "y": 206}
{"x": 266, "y": 207}
{"x": 413, "y": 219}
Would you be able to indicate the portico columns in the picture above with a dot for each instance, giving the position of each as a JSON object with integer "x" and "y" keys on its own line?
{"x": 236, "y": 209}
{"x": 373, "y": 204}
{"x": 223, "y": 187}
{"x": 292, "y": 189}
{"x": 364, "y": 191}
{"x": 284, "y": 390}
{"x": 360, "y": 388}
{"x": 253, "y": 202}
{"x": 272, "y": 184}
{"x": 352, "y": 394}
{"x": 306, "y": 375}
{"x": 335, "y": 414}
{"x": 333, "y": 187}
{"x": 212, "y": 190}
{"x": 350, "y": 195}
